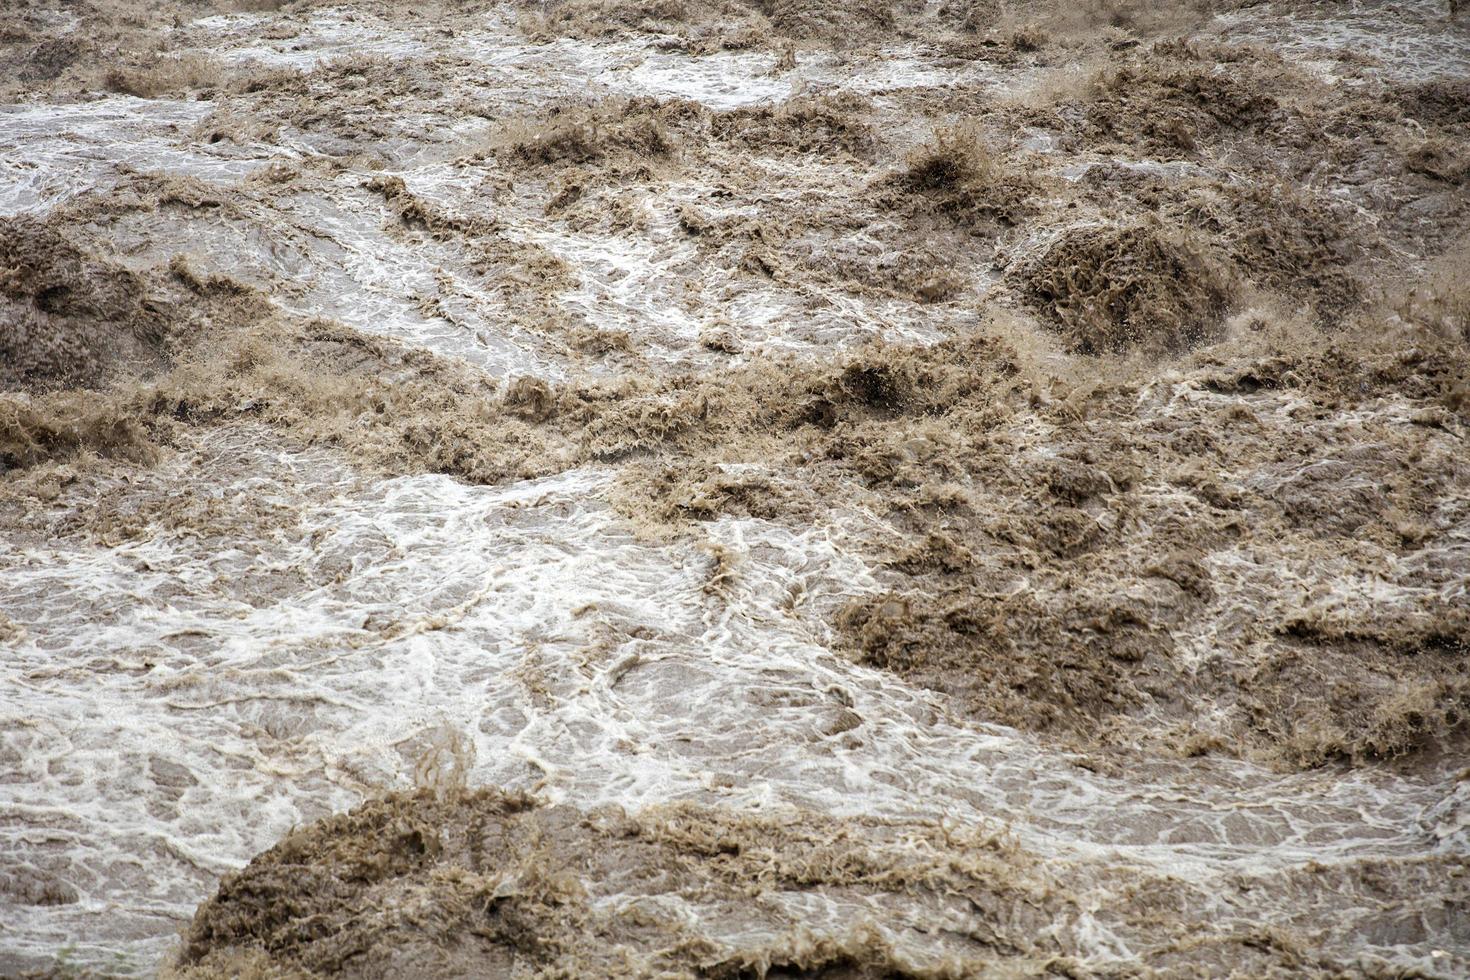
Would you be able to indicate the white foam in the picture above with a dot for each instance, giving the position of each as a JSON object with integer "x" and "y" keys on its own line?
{"x": 49, "y": 153}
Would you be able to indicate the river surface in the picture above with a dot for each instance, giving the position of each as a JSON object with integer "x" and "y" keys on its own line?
{"x": 269, "y": 634}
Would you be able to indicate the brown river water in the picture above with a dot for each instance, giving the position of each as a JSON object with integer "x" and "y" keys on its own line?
{"x": 843, "y": 490}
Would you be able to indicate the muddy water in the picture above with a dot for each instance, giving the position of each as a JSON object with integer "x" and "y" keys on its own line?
{"x": 1412, "y": 41}
{"x": 248, "y": 636}
{"x": 180, "y": 699}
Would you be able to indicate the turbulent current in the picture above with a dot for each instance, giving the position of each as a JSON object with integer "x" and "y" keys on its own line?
{"x": 242, "y": 609}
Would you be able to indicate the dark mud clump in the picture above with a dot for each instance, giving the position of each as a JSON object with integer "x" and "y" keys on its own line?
{"x": 387, "y": 406}
{"x": 823, "y": 124}
{"x": 62, "y": 424}
{"x": 1113, "y": 290}
{"x": 1439, "y": 159}
{"x": 85, "y": 340}
{"x": 29, "y": 885}
{"x": 965, "y": 179}
{"x": 1350, "y": 686}
{"x": 498, "y": 885}
{"x": 603, "y": 18}
{"x": 69, "y": 318}
{"x": 1442, "y": 102}
{"x": 714, "y": 25}
{"x": 158, "y": 77}
{"x": 1307, "y": 191}
{"x": 1015, "y": 660}
{"x": 1291, "y": 243}
{"x": 1440, "y": 302}
{"x": 804, "y": 19}
{"x": 49, "y": 59}
{"x": 627, "y": 131}
{"x": 1174, "y": 100}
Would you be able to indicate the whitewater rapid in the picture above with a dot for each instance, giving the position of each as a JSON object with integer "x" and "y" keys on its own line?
{"x": 270, "y": 635}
